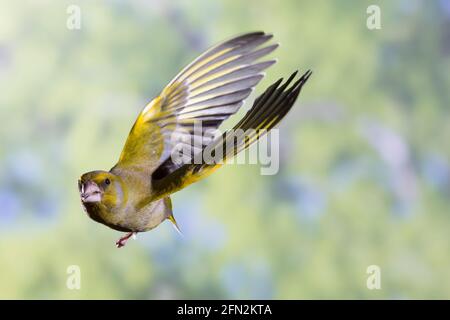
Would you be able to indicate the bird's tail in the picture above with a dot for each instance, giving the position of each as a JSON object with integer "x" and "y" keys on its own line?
{"x": 267, "y": 111}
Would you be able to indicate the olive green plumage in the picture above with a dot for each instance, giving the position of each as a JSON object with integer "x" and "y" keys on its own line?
{"x": 134, "y": 196}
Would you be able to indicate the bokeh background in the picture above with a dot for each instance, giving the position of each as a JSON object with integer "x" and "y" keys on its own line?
{"x": 365, "y": 170}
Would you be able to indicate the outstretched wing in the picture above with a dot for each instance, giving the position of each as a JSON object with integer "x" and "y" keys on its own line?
{"x": 267, "y": 111}
{"x": 206, "y": 92}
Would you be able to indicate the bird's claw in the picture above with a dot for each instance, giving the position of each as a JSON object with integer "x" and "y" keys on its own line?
{"x": 123, "y": 241}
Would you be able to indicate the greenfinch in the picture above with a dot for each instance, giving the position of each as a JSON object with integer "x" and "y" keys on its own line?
{"x": 134, "y": 196}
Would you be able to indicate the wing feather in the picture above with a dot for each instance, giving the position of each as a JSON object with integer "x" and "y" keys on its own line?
{"x": 207, "y": 92}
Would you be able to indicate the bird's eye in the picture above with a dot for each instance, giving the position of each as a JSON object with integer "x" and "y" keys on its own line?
{"x": 107, "y": 181}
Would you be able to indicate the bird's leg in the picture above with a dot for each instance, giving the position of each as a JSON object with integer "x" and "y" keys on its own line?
{"x": 122, "y": 241}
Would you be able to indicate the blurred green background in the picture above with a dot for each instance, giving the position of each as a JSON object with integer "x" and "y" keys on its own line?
{"x": 365, "y": 170}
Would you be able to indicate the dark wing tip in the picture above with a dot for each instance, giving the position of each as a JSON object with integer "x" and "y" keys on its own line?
{"x": 249, "y": 36}
{"x": 295, "y": 89}
{"x": 307, "y": 75}
{"x": 292, "y": 76}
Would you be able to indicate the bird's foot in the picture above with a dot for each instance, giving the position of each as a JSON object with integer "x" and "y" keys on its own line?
{"x": 123, "y": 241}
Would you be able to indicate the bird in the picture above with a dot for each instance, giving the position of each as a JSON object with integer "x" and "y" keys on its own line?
{"x": 134, "y": 195}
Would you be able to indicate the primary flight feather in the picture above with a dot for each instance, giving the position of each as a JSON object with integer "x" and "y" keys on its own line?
{"x": 134, "y": 196}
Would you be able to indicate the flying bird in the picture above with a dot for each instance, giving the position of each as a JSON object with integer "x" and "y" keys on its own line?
{"x": 134, "y": 196}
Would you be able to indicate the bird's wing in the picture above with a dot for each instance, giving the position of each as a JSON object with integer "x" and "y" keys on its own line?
{"x": 209, "y": 90}
{"x": 267, "y": 111}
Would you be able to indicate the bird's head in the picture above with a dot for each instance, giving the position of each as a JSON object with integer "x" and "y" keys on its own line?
{"x": 101, "y": 187}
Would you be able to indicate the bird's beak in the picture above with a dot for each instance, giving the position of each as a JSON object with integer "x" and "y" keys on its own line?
{"x": 89, "y": 192}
